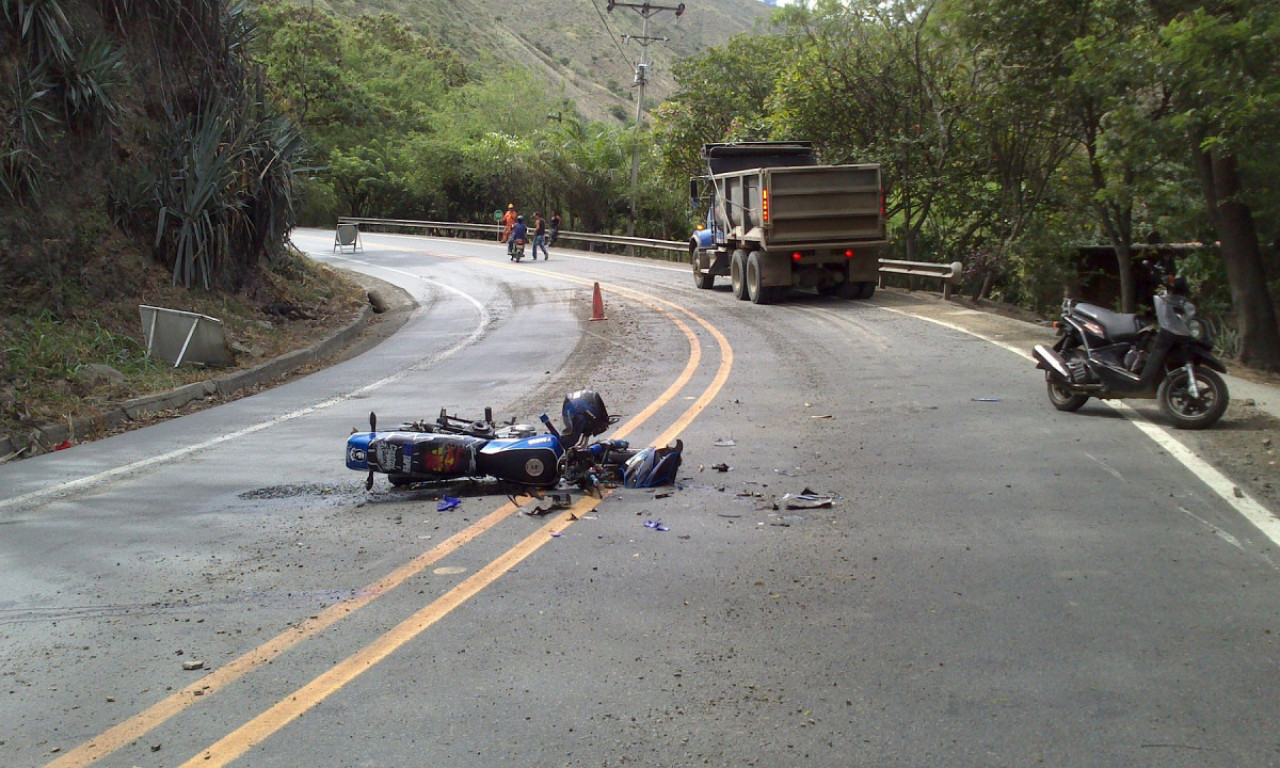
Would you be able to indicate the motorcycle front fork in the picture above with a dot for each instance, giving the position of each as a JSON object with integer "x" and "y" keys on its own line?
{"x": 1192, "y": 387}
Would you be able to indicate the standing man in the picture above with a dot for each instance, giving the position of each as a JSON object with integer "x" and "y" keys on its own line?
{"x": 540, "y": 236}
{"x": 555, "y": 227}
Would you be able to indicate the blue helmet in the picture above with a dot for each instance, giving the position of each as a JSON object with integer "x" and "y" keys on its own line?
{"x": 584, "y": 415}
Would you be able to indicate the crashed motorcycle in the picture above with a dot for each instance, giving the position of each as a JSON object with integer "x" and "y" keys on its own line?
{"x": 1110, "y": 355}
{"x": 451, "y": 448}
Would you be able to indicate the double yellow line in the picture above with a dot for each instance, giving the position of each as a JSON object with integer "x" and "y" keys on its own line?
{"x": 257, "y": 730}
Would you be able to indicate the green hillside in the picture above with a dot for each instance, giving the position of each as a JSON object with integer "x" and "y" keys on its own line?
{"x": 575, "y": 47}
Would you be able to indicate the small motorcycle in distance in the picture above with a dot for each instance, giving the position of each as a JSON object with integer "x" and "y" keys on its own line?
{"x": 517, "y": 250}
{"x": 1109, "y": 355}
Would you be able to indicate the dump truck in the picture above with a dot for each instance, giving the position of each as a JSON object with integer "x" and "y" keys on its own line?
{"x": 777, "y": 219}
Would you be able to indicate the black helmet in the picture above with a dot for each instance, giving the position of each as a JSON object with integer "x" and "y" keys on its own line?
{"x": 520, "y": 218}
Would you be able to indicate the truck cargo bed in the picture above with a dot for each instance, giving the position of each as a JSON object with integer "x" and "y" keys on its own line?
{"x": 806, "y": 206}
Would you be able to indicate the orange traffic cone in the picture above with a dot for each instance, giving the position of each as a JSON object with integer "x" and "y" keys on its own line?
{"x": 597, "y": 304}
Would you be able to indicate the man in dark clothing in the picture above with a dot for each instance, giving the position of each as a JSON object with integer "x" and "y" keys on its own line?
{"x": 540, "y": 236}
{"x": 555, "y": 227}
{"x": 518, "y": 233}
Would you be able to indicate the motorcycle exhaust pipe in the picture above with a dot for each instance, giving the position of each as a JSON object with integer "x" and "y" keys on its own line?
{"x": 1050, "y": 359}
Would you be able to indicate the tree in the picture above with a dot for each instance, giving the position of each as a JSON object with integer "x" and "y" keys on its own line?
{"x": 721, "y": 94}
{"x": 1227, "y": 98}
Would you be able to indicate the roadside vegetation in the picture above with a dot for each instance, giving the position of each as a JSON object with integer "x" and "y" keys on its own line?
{"x": 1012, "y": 134}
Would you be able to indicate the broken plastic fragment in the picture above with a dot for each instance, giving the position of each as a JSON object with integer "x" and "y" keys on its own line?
{"x": 655, "y": 525}
{"x": 447, "y": 503}
{"x": 986, "y": 399}
{"x": 725, "y": 442}
{"x": 807, "y": 500}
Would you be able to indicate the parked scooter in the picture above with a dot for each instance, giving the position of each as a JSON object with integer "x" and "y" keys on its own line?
{"x": 1109, "y": 355}
{"x": 451, "y": 448}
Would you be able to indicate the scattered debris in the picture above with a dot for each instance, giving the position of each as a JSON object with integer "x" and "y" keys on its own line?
{"x": 807, "y": 499}
{"x": 656, "y": 525}
{"x": 552, "y": 501}
{"x": 986, "y": 400}
{"x": 192, "y": 665}
{"x": 448, "y": 503}
{"x": 822, "y": 416}
{"x": 725, "y": 442}
{"x": 721, "y": 467}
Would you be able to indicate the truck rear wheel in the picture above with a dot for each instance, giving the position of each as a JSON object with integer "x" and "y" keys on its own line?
{"x": 738, "y": 274}
{"x": 756, "y": 289}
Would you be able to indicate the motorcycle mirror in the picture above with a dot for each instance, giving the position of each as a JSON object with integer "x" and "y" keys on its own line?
{"x": 368, "y": 481}
{"x": 373, "y": 421}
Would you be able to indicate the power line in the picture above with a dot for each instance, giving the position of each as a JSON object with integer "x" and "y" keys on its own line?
{"x": 605, "y": 22}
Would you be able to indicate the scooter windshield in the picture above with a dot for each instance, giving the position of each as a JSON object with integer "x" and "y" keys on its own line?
{"x": 1173, "y": 312}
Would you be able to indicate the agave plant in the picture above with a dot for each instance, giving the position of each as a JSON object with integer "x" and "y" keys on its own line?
{"x": 29, "y": 114}
{"x": 194, "y": 212}
{"x": 42, "y": 25}
{"x": 21, "y": 174}
{"x": 23, "y": 136}
{"x": 88, "y": 81}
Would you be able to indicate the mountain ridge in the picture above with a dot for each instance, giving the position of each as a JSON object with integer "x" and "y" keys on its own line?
{"x": 576, "y": 46}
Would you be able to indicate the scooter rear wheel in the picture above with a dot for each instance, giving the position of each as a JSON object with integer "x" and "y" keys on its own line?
{"x": 1186, "y": 411}
{"x": 1062, "y": 397}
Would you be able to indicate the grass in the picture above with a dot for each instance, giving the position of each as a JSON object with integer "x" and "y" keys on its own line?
{"x": 44, "y": 358}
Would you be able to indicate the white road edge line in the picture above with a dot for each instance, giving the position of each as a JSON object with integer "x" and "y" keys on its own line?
{"x": 1248, "y": 507}
{"x": 89, "y": 481}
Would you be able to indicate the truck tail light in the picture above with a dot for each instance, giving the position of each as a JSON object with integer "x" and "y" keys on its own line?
{"x": 848, "y": 254}
{"x": 797, "y": 256}
{"x": 881, "y": 202}
{"x": 764, "y": 204}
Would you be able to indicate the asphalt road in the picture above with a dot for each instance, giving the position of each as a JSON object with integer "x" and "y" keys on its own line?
{"x": 996, "y": 584}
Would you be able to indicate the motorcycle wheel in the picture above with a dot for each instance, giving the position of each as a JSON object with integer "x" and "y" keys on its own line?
{"x": 1062, "y": 398}
{"x": 1187, "y": 412}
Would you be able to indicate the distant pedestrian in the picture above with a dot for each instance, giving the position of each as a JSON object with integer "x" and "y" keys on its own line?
{"x": 555, "y": 227}
{"x": 540, "y": 236}
{"x": 509, "y": 221}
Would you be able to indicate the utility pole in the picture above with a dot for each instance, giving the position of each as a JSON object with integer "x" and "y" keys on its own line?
{"x": 646, "y": 10}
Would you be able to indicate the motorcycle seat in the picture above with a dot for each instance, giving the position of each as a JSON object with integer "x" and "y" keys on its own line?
{"x": 1119, "y": 326}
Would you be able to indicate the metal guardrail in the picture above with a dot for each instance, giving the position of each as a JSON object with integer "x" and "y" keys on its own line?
{"x": 496, "y": 229}
{"x": 949, "y": 274}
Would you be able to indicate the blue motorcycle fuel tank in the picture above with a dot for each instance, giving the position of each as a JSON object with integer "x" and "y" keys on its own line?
{"x": 529, "y": 460}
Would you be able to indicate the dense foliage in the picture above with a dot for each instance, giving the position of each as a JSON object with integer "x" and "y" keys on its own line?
{"x": 201, "y": 166}
{"x": 401, "y": 127}
{"x": 1013, "y": 133}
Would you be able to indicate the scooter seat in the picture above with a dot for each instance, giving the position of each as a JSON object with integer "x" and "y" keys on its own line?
{"x": 1119, "y": 326}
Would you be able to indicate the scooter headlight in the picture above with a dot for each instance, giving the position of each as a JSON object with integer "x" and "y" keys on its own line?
{"x": 1199, "y": 330}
